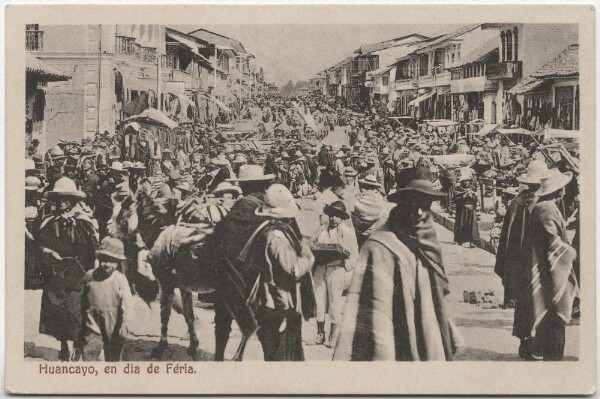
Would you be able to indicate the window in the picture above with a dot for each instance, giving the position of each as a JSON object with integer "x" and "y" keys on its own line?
{"x": 423, "y": 64}
{"x": 516, "y": 44}
{"x": 385, "y": 80}
{"x": 509, "y": 46}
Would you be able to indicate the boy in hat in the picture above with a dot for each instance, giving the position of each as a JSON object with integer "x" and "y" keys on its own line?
{"x": 332, "y": 278}
{"x": 106, "y": 305}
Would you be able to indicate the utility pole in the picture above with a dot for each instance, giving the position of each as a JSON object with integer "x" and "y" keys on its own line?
{"x": 161, "y": 37}
{"x": 99, "y": 79}
{"x": 215, "y": 88}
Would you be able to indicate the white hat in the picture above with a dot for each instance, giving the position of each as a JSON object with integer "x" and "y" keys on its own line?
{"x": 369, "y": 180}
{"x": 279, "y": 203}
{"x": 252, "y": 173}
{"x": 553, "y": 181}
{"x": 340, "y": 154}
{"x": 535, "y": 171}
{"x": 65, "y": 187}
{"x": 225, "y": 187}
{"x": 29, "y": 164}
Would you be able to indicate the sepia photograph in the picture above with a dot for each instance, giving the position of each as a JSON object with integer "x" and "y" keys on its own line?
{"x": 311, "y": 192}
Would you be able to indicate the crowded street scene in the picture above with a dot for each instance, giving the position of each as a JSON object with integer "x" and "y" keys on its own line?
{"x": 416, "y": 199}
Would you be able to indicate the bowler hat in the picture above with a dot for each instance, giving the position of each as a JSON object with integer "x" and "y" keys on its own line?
{"x": 419, "y": 182}
{"x": 336, "y": 208}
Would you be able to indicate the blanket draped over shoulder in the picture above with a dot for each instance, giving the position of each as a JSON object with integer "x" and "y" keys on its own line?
{"x": 553, "y": 286}
{"x": 396, "y": 308}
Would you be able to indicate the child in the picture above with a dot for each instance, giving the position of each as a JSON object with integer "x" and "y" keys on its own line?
{"x": 105, "y": 304}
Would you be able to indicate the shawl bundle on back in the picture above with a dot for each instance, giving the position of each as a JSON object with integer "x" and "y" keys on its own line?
{"x": 509, "y": 255}
{"x": 396, "y": 308}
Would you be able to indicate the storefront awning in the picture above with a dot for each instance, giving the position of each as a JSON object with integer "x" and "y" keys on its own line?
{"x": 45, "y": 72}
{"x": 527, "y": 86}
{"x": 217, "y": 102}
{"x": 420, "y": 99}
{"x": 486, "y": 129}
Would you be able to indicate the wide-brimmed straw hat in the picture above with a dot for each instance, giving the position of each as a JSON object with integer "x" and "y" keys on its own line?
{"x": 279, "y": 203}
{"x": 65, "y": 187}
{"x": 112, "y": 248}
{"x": 226, "y": 187}
{"x": 370, "y": 181}
{"x": 553, "y": 181}
{"x": 337, "y": 208}
{"x": 419, "y": 182}
{"x": 252, "y": 173}
{"x": 118, "y": 167}
{"x": 350, "y": 171}
{"x": 535, "y": 171}
{"x": 33, "y": 183}
{"x": 340, "y": 154}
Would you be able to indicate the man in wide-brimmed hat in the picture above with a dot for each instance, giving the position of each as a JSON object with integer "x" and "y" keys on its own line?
{"x": 510, "y": 254}
{"x": 332, "y": 278}
{"x": 232, "y": 234}
{"x": 66, "y": 238}
{"x": 549, "y": 262}
{"x": 400, "y": 283}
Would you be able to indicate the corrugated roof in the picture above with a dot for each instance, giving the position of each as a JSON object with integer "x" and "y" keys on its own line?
{"x": 478, "y": 54}
{"x": 47, "y": 72}
{"x": 371, "y": 47}
{"x": 565, "y": 65}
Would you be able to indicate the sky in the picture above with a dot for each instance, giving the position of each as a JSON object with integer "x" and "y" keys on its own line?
{"x": 299, "y": 52}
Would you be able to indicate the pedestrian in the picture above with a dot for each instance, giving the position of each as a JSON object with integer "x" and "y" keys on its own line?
{"x": 509, "y": 257}
{"x": 66, "y": 240}
{"x": 282, "y": 257}
{"x": 466, "y": 230}
{"x": 331, "y": 279}
{"x": 396, "y": 307}
{"x": 552, "y": 285}
{"x": 106, "y": 305}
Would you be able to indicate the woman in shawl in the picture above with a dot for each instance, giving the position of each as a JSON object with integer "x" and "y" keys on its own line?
{"x": 396, "y": 308}
{"x": 552, "y": 286}
{"x": 67, "y": 239}
{"x": 466, "y": 230}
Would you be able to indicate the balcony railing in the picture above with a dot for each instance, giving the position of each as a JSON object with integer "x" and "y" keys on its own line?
{"x": 34, "y": 40}
{"x": 124, "y": 45}
{"x": 149, "y": 54}
{"x": 505, "y": 70}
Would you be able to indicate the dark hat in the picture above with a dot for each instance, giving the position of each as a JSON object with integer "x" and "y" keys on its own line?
{"x": 336, "y": 209}
{"x": 419, "y": 181}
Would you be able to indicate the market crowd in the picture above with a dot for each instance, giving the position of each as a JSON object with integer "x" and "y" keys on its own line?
{"x": 196, "y": 207}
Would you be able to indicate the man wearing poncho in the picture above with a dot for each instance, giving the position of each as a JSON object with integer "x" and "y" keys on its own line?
{"x": 396, "y": 308}
{"x": 551, "y": 283}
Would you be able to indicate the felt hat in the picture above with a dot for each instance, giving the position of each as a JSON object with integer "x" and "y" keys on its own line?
{"x": 138, "y": 166}
{"x": 112, "y": 248}
{"x": 175, "y": 175}
{"x": 253, "y": 173}
{"x": 535, "y": 171}
{"x": 226, "y": 187}
{"x": 337, "y": 208}
{"x": 553, "y": 181}
{"x": 279, "y": 203}
{"x": 419, "y": 182}
{"x": 65, "y": 187}
{"x": 127, "y": 164}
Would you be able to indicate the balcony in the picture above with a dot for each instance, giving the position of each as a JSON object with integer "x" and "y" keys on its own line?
{"x": 149, "y": 54}
{"x": 405, "y": 84}
{"x": 34, "y": 40}
{"x": 440, "y": 79}
{"x": 124, "y": 45}
{"x": 476, "y": 84}
{"x": 176, "y": 75}
{"x": 505, "y": 70}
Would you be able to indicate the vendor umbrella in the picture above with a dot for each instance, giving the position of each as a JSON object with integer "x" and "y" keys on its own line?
{"x": 153, "y": 116}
